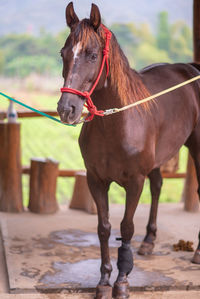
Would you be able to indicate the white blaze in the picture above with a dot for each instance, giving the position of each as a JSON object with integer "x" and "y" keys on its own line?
{"x": 76, "y": 50}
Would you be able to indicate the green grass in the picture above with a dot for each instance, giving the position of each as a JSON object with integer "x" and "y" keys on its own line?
{"x": 41, "y": 137}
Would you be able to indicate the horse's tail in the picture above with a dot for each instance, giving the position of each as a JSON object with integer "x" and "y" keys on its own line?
{"x": 195, "y": 65}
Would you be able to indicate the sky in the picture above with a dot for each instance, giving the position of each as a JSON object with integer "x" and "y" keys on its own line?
{"x": 31, "y": 15}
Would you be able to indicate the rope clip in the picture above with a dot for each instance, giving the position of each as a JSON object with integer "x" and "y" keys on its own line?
{"x": 111, "y": 111}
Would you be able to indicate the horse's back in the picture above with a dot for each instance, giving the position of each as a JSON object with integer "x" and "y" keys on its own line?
{"x": 166, "y": 74}
{"x": 152, "y": 66}
{"x": 159, "y": 77}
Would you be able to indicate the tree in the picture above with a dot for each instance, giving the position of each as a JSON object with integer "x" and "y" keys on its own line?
{"x": 180, "y": 49}
{"x": 163, "y": 35}
{"x": 61, "y": 38}
{"x": 147, "y": 54}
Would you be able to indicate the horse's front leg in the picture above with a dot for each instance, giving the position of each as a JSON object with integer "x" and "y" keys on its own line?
{"x": 125, "y": 256}
{"x": 99, "y": 191}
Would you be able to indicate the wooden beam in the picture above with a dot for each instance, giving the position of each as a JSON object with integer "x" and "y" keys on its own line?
{"x": 69, "y": 172}
{"x": 175, "y": 175}
{"x": 73, "y": 173}
{"x": 190, "y": 196}
{"x": 196, "y": 30}
{"x": 61, "y": 172}
{"x": 24, "y": 114}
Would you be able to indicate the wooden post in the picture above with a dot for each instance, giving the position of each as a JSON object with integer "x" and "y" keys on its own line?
{"x": 10, "y": 168}
{"x": 171, "y": 166}
{"x": 43, "y": 177}
{"x": 190, "y": 197}
{"x": 82, "y": 198}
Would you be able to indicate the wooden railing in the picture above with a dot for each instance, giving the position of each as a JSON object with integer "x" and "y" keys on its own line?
{"x": 61, "y": 172}
{"x": 72, "y": 173}
{"x": 27, "y": 114}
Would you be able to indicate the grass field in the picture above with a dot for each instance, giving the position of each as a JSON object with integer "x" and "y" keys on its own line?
{"x": 41, "y": 137}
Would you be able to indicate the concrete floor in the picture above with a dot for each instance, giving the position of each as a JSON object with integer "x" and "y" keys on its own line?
{"x": 60, "y": 253}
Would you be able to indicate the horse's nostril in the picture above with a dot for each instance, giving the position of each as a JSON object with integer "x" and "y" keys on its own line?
{"x": 68, "y": 110}
{"x": 66, "y": 113}
{"x": 73, "y": 109}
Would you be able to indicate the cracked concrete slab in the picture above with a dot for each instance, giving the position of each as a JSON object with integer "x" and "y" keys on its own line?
{"x": 60, "y": 252}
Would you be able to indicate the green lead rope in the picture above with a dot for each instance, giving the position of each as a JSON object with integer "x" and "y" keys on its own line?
{"x": 33, "y": 109}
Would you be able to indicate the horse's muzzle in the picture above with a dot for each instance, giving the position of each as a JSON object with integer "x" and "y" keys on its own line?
{"x": 67, "y": 114}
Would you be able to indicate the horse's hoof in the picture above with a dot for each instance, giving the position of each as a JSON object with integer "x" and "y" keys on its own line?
{"x": 121, "y": 290}
{"x": 103, "y": 292}
{"x": 146, "y": 248}
{"x": 196, "y": 257}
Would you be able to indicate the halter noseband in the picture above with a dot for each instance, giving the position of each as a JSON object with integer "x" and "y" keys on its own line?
{"x": 89, "y": 104}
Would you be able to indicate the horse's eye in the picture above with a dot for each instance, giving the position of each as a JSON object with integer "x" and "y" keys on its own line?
{"x": 93, "y": 56}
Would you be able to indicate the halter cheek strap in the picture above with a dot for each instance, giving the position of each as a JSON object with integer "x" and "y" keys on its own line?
{"x": 89, "y": 104}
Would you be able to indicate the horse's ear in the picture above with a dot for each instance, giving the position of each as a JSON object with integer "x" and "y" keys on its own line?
{"x": 95, "y": 17}
{"x": 71, "y": 17}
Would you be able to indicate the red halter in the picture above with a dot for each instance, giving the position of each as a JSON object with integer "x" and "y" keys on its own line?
{"x": 89, "y": 104}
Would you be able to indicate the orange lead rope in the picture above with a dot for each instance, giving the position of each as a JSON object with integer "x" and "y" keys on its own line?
{"x": 89, "y": 104}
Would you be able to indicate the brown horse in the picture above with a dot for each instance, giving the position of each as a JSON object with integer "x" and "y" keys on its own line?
{"x": 127, "y": 146}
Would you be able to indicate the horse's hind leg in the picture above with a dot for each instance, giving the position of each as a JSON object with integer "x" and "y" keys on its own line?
{"x": 196, "y": 157}
{"x": 155, "y": 186}
{"x": 193, "y": 143}
{"x": 196, "y": 257}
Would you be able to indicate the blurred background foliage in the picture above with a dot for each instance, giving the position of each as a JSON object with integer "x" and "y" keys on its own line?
{"x": 23, "y": 54}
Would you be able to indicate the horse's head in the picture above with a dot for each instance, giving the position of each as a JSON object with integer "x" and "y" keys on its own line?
{"x": 82, "y": 56}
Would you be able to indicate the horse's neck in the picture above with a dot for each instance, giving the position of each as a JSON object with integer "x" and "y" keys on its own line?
{"x": 120, "y": 95}
{"x": 107, "y": 97}
{"x": 111, "y": 125}
{"x": 123, "y": 87}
